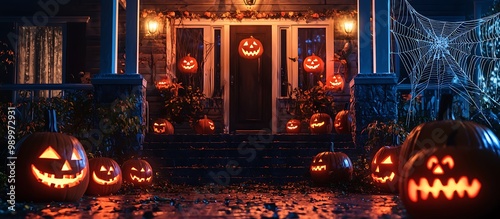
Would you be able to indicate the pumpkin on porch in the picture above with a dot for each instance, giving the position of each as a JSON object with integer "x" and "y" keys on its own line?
{"x": 106, "y": 176}
{"x": 250, "y": 48}
{"x": 187, "y": 64}
{"x": 163, "y": 83}
{"x": 452, "y": 182}
{"x": 313, "y": 64}
{"x": 329, "y": 165}
{"x": 293, "y": 126}
{"x": 384, "y": 168}
{"x": 321, "y": 123}
{"x": 137, "y": 171}
{"x": 342, "y": 123}
{"x": 163, "y": 126}
{"x": 335, "y": 83}
{"x": 205, "y": 126}
{"x": 51, "y": 166}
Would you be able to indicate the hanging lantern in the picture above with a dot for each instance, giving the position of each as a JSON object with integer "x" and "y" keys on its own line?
{"x": 314, "y": 64}
{"x": 250, "y": 48}
{"x": 187, "y": 64}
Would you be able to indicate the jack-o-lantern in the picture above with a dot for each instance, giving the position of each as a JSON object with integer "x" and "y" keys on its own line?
{"x": 106, "y": 176}
{"x": 205, "y": 126}
{"x": 250, "y": 48}
{"x": 51, "y": 166}
{"x": 321, "y": 123}
{"x": 187, "y": 64}
{"x": 314, "y": 64}
{"x": 293, "y": 126}
{"x": 331, "y": 166}
{"x": 163, "y": 83}
{"x": 384, "y": 168}
{"x": 163, "y": 126}
{"x": 335, "y": 83}
{"x": 452, "y": 182}
{"x": 445, "y": 130}
{"x": 137, "y": 171}
{"x": 342, "y": 123}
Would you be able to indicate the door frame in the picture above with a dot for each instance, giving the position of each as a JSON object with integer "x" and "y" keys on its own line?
{"x": 277, "y": 25}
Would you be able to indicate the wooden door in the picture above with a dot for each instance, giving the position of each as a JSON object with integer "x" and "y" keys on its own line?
{"x": 250, "y": 81}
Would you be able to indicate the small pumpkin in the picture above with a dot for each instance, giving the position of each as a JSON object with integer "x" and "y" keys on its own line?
{"x": 331, "y": 166}
{"x": 163, "y": 83}
{"x": 187, "y": 64}
{"x": 163, "y": 126}
{"x": 384, "y": 168}
{"x": 51, "y": 166}
{"x": 452, "y": 182}
{"x": 137, "y": 171}
{"x": 250, "y": 48}
{"x": 321, "y": 123}
{"x": 335, "y": 83}
{"x": 106, "y": 176}
{"x": 293, "y": 126}
{"x": 342, "y": 123}
{"x": 313, "y": 64}
{"x": 205, "y": 126}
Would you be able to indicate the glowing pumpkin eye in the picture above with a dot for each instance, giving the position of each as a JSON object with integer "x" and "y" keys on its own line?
{"x": 245, "y": 44}
{"x": 156, "y": 123}
{"x": 375, "y": 160}
{"x": 142, "y": 170}
{"x": 431, "y": 162}
{"x": 315, "y": 60}
{"x": 184, "y": 61}
{"x": 309, "y": 60}
{"x": 387, "y": 160}
{"x": 75, "y": 155}
{"x": 111, "y": 169}
{"x": 448, "y": 160}
{"x": 50, "y": 153}
{"x": 255, "y": 43}
{"x": 103, "y": 168}
{"x": 133, "y": 168}
{"x": 320, "y": 160}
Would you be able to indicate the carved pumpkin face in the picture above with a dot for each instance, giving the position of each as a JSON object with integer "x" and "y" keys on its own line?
{"x": 163, "y": 126}
{"x": 342, "y": 122}
{"x": 106, "y": 176}
{"x": 250, "y": 48}
{"x": 384, "y": 168}
{"x": 163, "y": 83}
{"x": 455, "y": 181}
{"x": 138, "y": 172}
{"x": 313, "y": 64}
{"x": 328, "y": 166}
{"x": 335, "y": 83}
{"x": 187, "y": 64}
{"x": 293, "y": 126}
{"x": 205, "y": 126}
{"x": 321, "y": 123}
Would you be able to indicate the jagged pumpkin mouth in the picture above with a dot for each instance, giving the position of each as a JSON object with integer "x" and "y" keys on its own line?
{"x": 383, "y": 179}
{"x": 66, "y": 181}
{"x": 318, "y": 168}
{"x": 461, "y": 187}
{"x": 140, "y": 179}
{"x": 250, "y": 53}
{"x": 312, "y": 66}
{"x": 104, "y": 182}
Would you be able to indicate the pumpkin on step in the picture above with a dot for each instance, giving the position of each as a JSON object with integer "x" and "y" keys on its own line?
{"x": 106, "y": 176}
{"x": 384, "y": 168}
{"x": 331, "y": 166}
{"x": 51, "y": 166}
{"x": 293, "y": 126}
{"x": 137, "y": 171}
{"x": 205, "y": 126}
{"x": 163, "y": 126}
{"x": 321, "y": 123}
{"x": 342, "y": 123}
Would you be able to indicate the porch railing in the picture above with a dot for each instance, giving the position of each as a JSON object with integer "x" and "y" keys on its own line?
{"x": 32, "y": 88}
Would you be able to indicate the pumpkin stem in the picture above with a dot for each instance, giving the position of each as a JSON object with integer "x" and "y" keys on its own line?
{"x": 445, "y": 107}
{"x": 332, "y": 147}
{"x": 51, "y": 121}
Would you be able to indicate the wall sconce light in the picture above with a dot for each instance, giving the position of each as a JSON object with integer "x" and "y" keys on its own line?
{"x": 152, "y": 26}
{"x": 348, "y": 26}
{"x": 249, "y": 2}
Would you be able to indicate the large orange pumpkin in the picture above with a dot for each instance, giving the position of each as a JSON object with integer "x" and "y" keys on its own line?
{"x": 51, "y": 166}
{"x": 187, "y": 64}
{"x": 314, "y": 64}
{"x": 321, "y": 123}
{"x": 250, "y": 48}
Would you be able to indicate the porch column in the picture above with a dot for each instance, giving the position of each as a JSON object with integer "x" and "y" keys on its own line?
{"x": 132, "y": 37}
{"x": 381, "y": 36}
{"x": 365, "y": 55}
{"x": 109, "y": 37}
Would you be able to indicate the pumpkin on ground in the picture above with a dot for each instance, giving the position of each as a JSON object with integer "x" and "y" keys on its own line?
{"x": 293, "y": 126}
{"x": 330, "y": 166}
{"x": 452, "y": 182}
{"x": 205, "y": 126}
{"x": 187, "y": 64}
{"x": 163, "y": 126}
{"x": 51, "y": 166}
{"x": 250, "y": 48}
{"x": 384, "y": 168}
{"x": 321, "y": 123}
{"x": 137, "y": 171}
{"x": 313, "y": 64}
{"x": 342, "y": 123}
{"x": 106, "y": 176}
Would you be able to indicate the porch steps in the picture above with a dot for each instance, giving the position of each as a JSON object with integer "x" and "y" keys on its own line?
{"x": 236, "y": 158}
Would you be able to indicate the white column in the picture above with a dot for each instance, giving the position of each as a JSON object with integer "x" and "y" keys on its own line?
{"x": 381, "y": 36}
{"x": 132, "y": 37}
{"x": 365, "y": 56}
{"x": 109, "y": 37}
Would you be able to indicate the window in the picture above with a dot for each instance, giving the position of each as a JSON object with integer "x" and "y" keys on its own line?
{"x": 190, "y": 41}
{"x": 310, "y": 41}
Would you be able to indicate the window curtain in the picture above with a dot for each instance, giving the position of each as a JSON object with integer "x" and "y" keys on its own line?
{"x": 40, "y": 55}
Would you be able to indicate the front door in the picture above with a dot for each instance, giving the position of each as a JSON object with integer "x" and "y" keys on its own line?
{"x": 250, "y": 81}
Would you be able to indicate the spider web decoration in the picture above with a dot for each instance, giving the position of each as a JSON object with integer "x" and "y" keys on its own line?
{"x": 460, "y": 56}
